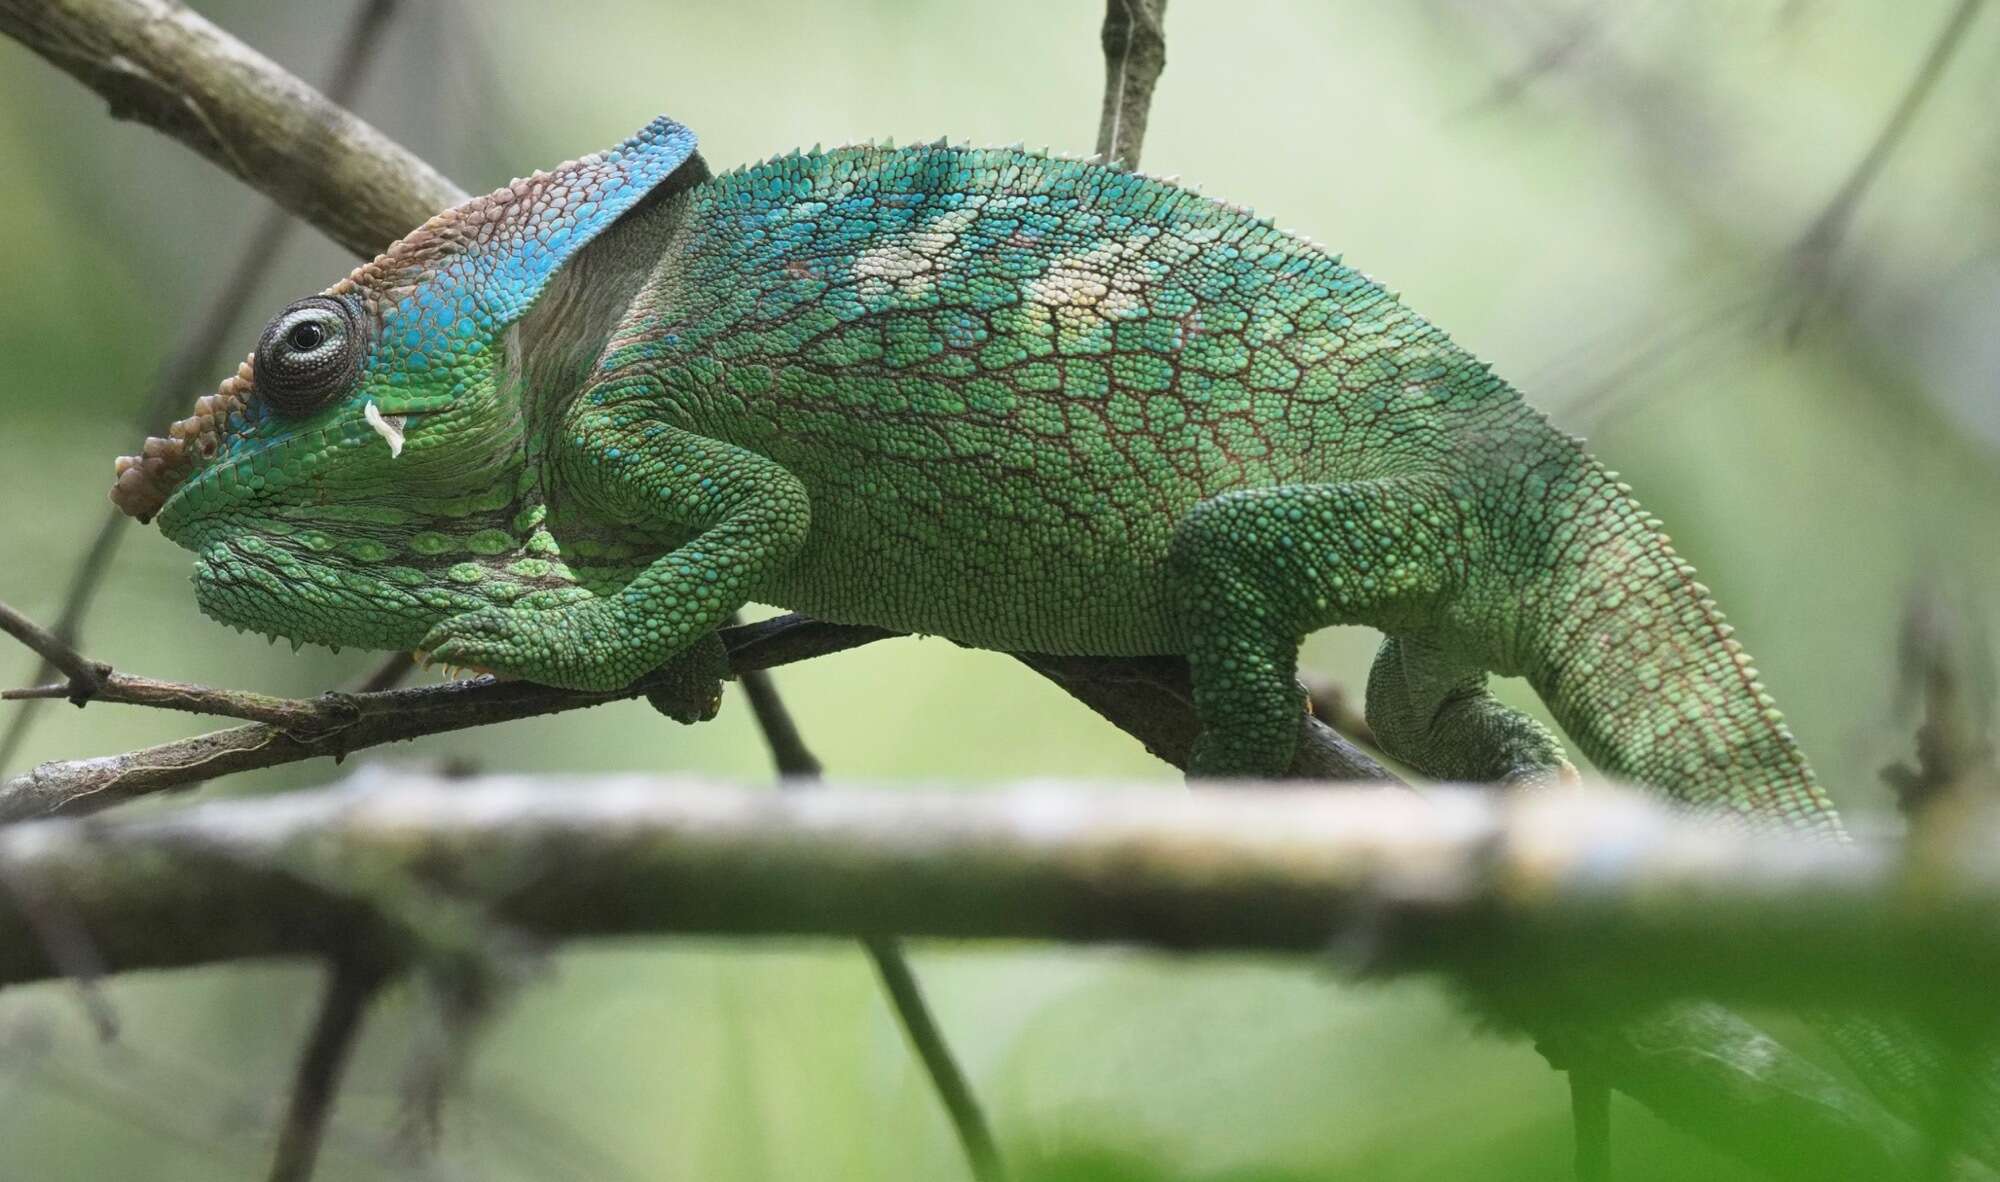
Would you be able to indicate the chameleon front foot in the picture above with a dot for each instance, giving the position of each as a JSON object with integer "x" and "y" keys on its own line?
{"x": 691, "y": 682}
{"x": 584, "y": 646}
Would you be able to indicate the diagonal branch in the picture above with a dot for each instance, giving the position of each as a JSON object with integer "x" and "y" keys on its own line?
{"x": 799, "y": 766}
{"x": 1811, "y": 257}
{"x": 86, "y": 677}
{"x": 350, "y": 986}
{"x": 161, "y": 63}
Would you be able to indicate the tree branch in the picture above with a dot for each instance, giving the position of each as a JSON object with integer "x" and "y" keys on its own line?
{"x": 1558, "y": 909}
{"x": 1141, "y": 697}
{"x": 1565, "y": 891}
{"x": 162, "y": 64}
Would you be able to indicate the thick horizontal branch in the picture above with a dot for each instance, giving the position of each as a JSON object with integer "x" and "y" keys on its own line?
{"x": 1587, "y": 907}
{"x": 1598, "y": 892}
{"x": 159, "y": 62}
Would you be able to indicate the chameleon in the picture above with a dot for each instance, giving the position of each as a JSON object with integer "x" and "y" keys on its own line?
{"x": 562, "y": 431}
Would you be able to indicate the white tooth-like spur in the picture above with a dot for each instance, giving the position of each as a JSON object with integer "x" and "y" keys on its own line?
{"x": 389, "y": 427}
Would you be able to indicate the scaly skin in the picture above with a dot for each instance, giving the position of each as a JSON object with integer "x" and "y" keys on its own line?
{"x": 1023, "y": 402}
{"x": 562, "y": 431}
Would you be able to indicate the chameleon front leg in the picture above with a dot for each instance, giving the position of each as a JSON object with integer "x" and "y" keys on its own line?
{"x": 750, "y": 515}
{"x": 1253, "y": 571}
{"x": 1432, "y": 710}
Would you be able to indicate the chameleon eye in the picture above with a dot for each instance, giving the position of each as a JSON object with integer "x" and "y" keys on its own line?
{"x": 306, "y": 336}
{"x": 308, "y": 353}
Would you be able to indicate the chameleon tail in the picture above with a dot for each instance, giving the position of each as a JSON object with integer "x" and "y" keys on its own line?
{"x": 1634, "y": 660}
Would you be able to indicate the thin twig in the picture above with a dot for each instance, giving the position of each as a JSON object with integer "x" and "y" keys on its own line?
{"x": 1147, "y": 698}
{"x": 798, "y": 766}
{"x": 975, "y": 1136}
{"x": 350, "y": 986}
{"x": 1811, "y": 257}
{"x": 789, "y": 753}
{"x": 1135, "y": 51}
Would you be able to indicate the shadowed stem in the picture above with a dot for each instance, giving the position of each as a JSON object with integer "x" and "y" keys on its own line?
{"x": 799, "y": 767}
{"x": 350, "y": 986}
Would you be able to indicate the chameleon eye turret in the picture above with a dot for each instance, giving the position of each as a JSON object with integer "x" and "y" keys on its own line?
{"x": 308, "y": 353}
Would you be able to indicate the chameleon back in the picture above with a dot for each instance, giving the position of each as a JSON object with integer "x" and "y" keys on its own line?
{"x": 980, "y": 361}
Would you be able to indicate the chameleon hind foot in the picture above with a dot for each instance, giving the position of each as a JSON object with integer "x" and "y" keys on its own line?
{"x": 1435, "y": 713}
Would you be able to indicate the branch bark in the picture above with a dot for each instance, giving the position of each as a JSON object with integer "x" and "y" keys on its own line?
{"x": 1135, "y": 51}
{"x": 1148, "y": 698}
{"x": 1560, "y": 891}
{"x": 162, "y": 64}
{"x": 1552, "y": 909}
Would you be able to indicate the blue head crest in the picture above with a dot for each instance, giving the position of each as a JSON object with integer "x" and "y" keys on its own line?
{"x": 436, "y": 302}
{"x": 448, "y": 289}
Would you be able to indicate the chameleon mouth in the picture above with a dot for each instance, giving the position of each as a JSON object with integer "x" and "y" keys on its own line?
{"x": 147, "y": 481}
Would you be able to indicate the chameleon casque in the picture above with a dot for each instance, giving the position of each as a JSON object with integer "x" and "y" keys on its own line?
{"x": 562, "y": 431}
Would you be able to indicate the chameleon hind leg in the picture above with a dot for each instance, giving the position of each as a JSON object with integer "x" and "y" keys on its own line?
{"x": 1251, "y": 572}
{"x": 747, "y": 514}
{"x": 1432, "y": 710}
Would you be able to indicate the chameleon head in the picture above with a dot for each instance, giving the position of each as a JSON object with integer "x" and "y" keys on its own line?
{"x": 335, "y": 486}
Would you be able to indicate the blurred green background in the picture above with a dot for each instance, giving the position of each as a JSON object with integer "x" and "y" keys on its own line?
{"x": 1602, "y": 199}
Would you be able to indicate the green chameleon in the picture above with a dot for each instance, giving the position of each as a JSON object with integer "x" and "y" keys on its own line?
{"x": 562, "y": 431}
